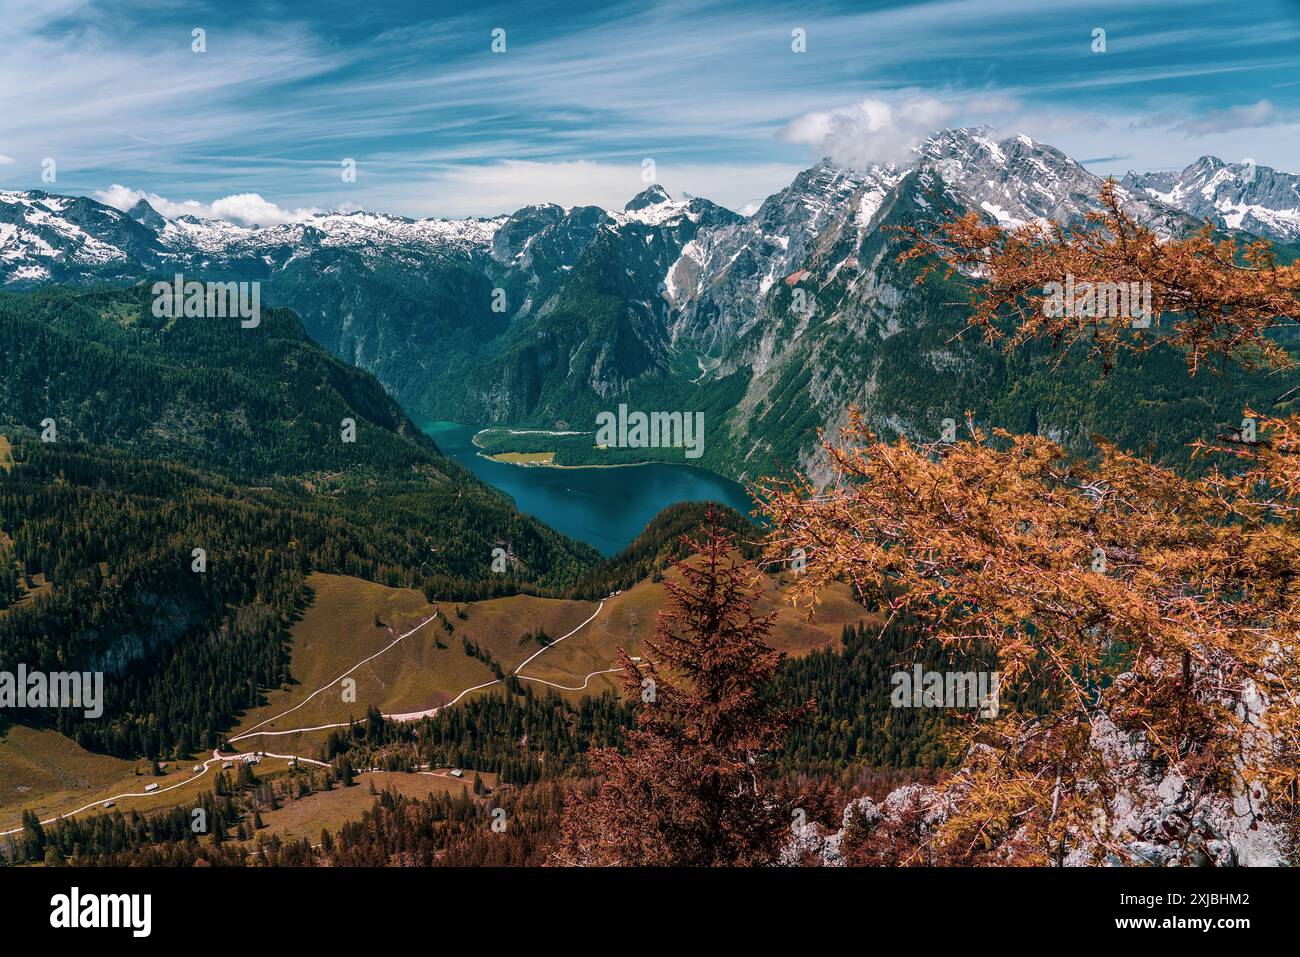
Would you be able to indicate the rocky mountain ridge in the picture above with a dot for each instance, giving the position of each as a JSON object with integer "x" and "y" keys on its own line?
{"x": 774, "y": 323}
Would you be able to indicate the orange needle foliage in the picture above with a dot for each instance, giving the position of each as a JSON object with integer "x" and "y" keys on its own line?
{"x": 1217, "y": 297}
{"x": 1144, "y": 602}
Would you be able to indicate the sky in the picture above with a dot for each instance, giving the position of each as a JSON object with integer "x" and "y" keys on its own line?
{"x": 257, "y": 127}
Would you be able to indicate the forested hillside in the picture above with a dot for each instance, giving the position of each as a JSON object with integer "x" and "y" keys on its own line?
{"x": 250, "y": 402}
{"x": 194, "y": 474}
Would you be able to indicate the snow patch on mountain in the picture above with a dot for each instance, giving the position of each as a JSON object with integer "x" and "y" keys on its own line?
{"x": 1246, "y": 196}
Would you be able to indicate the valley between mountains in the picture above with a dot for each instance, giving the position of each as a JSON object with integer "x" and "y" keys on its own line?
{"x": 546, "y": 317}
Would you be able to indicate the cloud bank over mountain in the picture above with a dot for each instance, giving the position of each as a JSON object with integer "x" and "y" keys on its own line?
{"x": 246, "y": 209}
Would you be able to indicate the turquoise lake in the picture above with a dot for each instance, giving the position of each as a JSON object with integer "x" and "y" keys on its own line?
{"x": 605, "y": 507}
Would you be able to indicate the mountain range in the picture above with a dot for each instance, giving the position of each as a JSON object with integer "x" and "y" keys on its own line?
{"x": 772, "y": 324}
{"x": 1242, "y": 196}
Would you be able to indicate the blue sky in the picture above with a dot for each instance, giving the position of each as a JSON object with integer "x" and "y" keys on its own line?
{"x": 255, "y": 129}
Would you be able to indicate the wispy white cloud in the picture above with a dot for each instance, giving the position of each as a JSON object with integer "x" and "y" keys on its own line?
{"x": 488, "y": 189}
{"x": 82, "y": 86}
{"x": 887, "y": 128}
{"x": 484, "y": 189}
{"x": 434, "y": 119}
{"x": 248, "y": 209}
{"x": 1242, "y": 117}
{"x": 871, "y": 131}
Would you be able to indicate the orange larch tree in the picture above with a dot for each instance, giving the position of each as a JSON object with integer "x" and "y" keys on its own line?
{"x": 1155, "y": 609}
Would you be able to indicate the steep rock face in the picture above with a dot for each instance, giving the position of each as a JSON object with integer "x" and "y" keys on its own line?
{"x": 1014, "y": 181}
{"x": 1249, "y": 197}
{"x": 1155, "y": 819}
{"x": 1167, "y": 830}
{"x": 69, "y": 239}
{"x": 650, "y": 197}
{"x": 590, "y": 331}
{"x": 841, "y": 323}
{"x": 851, "y": 328}
{"x": 537, "y": 247}
{"x": 1017, "y": 180}
{"x": 169, "y": 618}
{"x": 720, "y": 278}
{"x": 147, "y": 216}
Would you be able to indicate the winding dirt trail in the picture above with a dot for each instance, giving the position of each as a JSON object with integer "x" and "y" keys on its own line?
{"x": 408, "y": 716}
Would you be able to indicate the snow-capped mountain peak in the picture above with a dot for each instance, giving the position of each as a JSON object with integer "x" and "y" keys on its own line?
{"x": 147, "y": 216}
{"x": 1014, "y": 180}
{"x": 652, "y": 195}
{"x": 50, "y": 238}
{"x": 1246, "y": 196}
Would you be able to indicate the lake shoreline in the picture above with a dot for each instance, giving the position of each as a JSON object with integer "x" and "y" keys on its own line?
{"x": 519, "y": 458}
{"x": 592, "y": 503}
{"x": 501, "y": 457}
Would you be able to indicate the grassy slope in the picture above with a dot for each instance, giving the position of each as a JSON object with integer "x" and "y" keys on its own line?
{"x": 330, "y": 810}
{"x": 336, "y": 632}
{"x": 339, "y": 630}
{"x": 43, "y": 771}
{"x": 629, "y": 618}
